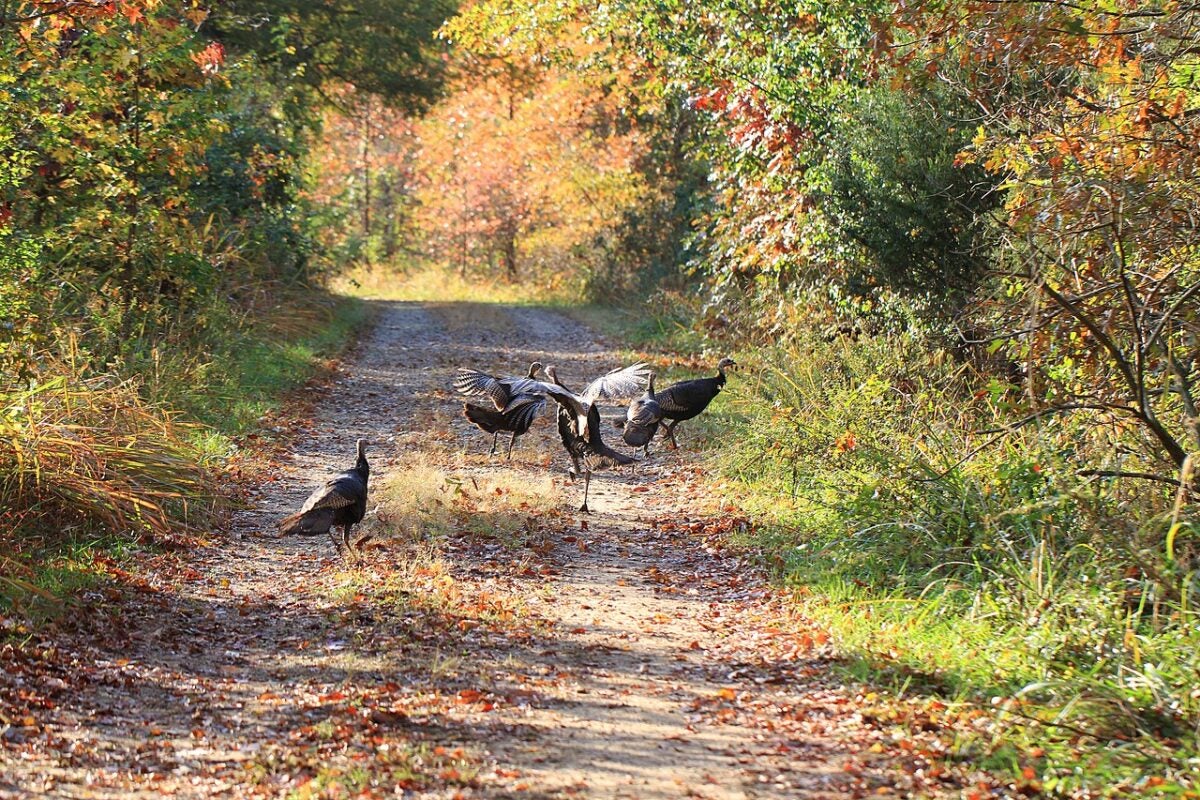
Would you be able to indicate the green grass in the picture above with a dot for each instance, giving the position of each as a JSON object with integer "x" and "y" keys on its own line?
{"x": 978, "y": 575}
{"x": 254, "y": 367}
{"x": 92, "y": 468}
{"x": 45, "y": 580}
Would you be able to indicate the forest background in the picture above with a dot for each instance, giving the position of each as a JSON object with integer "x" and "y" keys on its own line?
{"x": 955, "y": 243}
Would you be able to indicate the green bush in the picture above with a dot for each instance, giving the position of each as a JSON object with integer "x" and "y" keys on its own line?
{"x": 974, "y": 564}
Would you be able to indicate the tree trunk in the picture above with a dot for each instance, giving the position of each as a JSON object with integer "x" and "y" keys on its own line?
{"x": 366, "y": 161}
{"x": 510, "y": 258}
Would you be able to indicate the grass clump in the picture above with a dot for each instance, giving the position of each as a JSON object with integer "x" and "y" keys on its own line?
{"x": 85, "y": 469}
{"x": 97, "y": 455}
{"x": 423, "y": 503}
{"x": 954, "y": 562}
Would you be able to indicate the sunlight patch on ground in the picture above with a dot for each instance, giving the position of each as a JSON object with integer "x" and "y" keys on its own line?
{"x": 426, "y": 283}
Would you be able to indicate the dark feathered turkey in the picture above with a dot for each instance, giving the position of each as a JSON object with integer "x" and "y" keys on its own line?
{"x": 501, "y": 391}
{"x": 579, "y": 428}
{"x": 342, "y": 501}
{"x": 687, "y": 399}
{"x": 516, "y": 418}
{"x": 514, "y": 406}
{"x": 642, "y": 419}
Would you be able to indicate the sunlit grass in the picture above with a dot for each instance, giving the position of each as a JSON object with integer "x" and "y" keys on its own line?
{"x": 423, "y": 282}
{"x": 96, "y": 454}
{"x": 422, "y": 503}
{"x": 987, "y": 578}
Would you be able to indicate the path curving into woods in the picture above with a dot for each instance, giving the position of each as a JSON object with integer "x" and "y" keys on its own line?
{"x": 627, "y": 653}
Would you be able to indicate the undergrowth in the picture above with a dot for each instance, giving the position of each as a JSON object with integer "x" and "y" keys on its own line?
{"x": 97, "y": 455}
{"x": 959, "y": 559}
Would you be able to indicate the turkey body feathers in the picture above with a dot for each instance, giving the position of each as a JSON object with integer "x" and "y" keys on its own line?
{"x": 341, "y": 501}
{"x": 636, "y": 435}
{"x": 688, "y": 399}
{"x": 579, "y": 429}
{"x": 642, "y": 419}
{"x": 587, "y": 451}
{"x": 516, "y": 418}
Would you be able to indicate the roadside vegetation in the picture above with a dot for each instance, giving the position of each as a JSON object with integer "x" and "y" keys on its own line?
{"x": 163, "y": 280}
{"x": 952, "y": 244}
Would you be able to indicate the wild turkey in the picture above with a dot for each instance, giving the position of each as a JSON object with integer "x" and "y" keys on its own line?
{"x": 579, "y": 428}
{"x": 516, "y": 417}
{"x": 501, "y": 391}
{"x": 642, "y": 420}
{"x": 341, "y": 501}
{"x": 515, "y": 407}
{"x": 687, "y": 399}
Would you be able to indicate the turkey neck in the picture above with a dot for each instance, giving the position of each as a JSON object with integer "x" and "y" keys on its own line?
{"x": 361, "y": 466}
{"x": 720, "y": 376}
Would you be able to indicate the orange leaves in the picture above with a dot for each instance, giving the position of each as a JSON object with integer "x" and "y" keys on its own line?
{"x": 132, "y": 12}
{"x": 210, "y": 58}
{"x": 469, "y": 695}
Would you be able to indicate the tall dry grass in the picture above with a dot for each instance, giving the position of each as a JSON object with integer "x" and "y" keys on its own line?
{"x": 93, "y": 454}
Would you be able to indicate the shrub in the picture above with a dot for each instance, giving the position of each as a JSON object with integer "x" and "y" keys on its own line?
{"x": 94, "y": 454}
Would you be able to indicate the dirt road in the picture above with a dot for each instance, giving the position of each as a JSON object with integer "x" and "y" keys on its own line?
{"x": 622, "y": 654}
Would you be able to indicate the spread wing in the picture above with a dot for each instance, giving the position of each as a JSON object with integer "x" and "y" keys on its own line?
{"x": 473, "y": 383}
{"x": 519, "y": 386}
{"x": 342, "y": 490}
{"x": 531, "y": 389}
{"x": 623, "y": 382}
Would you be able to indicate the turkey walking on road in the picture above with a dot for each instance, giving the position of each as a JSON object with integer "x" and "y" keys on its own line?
{"x": 514, "y": 407}
{"x": 579, "y": 427}
{"x": 516, "y": 418}
{"x": 642, "y": 420}
{"x": 687, "y": 399}
{"x": 501, "y": 391}
{"x": 341, "y": 501}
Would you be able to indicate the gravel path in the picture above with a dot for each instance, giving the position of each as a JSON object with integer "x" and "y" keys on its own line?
{"x": 622, "y": 654}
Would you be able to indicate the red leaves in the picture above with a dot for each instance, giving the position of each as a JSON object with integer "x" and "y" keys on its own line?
{"x": 715, "y": 100}
{"x": 210, "y": 59}
{"x": 469, "y": 695}
{"x": 132, "y": 12}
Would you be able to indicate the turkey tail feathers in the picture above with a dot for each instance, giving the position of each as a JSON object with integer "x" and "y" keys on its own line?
{"x": 486, "y": 418}
{"x": 307, "y": 523}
